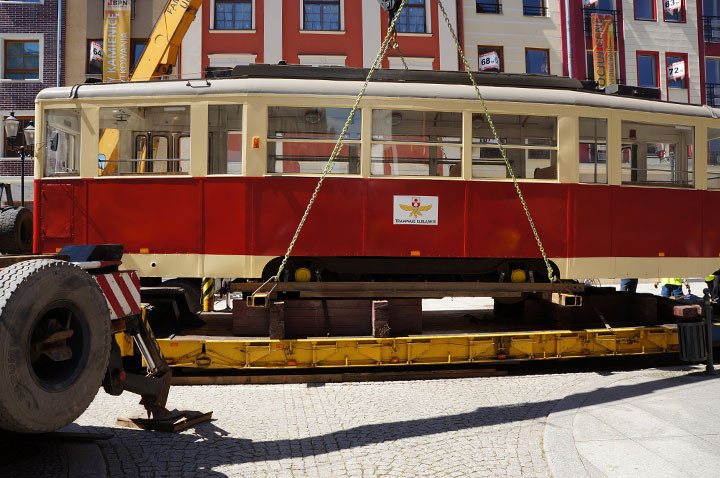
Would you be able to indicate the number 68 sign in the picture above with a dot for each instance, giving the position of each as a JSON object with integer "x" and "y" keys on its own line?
{"x": 488, "y": 61}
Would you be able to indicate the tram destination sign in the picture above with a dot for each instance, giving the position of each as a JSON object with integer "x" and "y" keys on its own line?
{"x": 421, "y": 210}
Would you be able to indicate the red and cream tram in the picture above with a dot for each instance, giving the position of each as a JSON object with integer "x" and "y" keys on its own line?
{"x": 209, "y": 178}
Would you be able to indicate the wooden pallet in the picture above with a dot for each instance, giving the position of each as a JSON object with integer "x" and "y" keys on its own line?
{"x": 176, "y": 421}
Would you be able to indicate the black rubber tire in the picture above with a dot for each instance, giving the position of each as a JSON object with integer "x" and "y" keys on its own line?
{"x": 16, "y": 231}
{"x": 192, "y": 291}
{"x": 41, "y": 395}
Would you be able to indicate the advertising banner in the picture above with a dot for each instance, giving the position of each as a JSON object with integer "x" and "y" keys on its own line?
{"x": 603, "y": 38}
{"x": 489, "y": 61}
{"x": 116, "y": 40}
{"x": 588, "y": 3}
{"x": 676, "y": 71}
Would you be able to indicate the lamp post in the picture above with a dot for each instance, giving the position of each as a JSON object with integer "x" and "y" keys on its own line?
{"x": 11, "y": 128}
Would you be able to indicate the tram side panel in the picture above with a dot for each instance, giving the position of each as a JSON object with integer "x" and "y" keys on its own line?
{"x": 62, "y": 217}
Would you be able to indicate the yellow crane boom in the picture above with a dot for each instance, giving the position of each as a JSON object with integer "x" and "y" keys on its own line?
{"x": 157, "y": 60}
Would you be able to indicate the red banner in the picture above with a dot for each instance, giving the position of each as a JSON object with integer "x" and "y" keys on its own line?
{"x": 603, "y": 38}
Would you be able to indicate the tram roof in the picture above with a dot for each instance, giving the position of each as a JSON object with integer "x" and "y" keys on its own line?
{"x": 338, "y": 81}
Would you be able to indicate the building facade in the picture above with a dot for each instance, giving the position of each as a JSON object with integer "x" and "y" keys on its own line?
{"x": 318, "y": 32}
{"x": 29, "y": 62}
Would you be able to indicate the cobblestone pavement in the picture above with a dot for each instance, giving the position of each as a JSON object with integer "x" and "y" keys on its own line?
{"x": 455, "y": 427}
{"x": 492, "y": 426}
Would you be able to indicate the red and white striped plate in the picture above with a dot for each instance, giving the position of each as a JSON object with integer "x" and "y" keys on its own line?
{"x": 122, "y": 292}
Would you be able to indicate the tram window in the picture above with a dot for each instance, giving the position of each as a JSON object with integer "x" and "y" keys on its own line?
{"x": 530, "y": 144}
{"x": 144, "y": 140}
{"x": 713, "y": 160}
{"x": 225, "y": 128}
{"x": 301, "y": 140}
{"x": 658, "y": 155}
{"x": 593, "y": 150}
{"x": 416, "y": 143}
{"x": 62, "y": 154}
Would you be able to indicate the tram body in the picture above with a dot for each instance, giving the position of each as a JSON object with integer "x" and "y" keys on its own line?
{"x": 210, "y": 179}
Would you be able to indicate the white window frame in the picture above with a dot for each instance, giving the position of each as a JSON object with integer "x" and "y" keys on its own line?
{"x": 22, "y": 36}
{"x": 231, "y": 60}
{"x": 212, "y": 20}
{"x": 323, "y": 60}
{"x": 302, "y": 20}
{"x": 413, "y": 62}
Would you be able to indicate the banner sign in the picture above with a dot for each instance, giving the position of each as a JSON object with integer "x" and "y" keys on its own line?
{"x": 96, "y": 52}
{"x": 488, "y": 61}
{"x": 415, "y": 210}
{"x": 676, "y": 71}
{"x": 671, "y": 5}
{"x": 116, "y": 39}
{"x": 603, "y": 39}
{"x": 588, "y": 3}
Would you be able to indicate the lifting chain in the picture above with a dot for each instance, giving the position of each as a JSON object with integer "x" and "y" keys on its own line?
{"x": 389, "y": 36}
{"x": 551, "y": 276}
{"x": 338, "y": 145}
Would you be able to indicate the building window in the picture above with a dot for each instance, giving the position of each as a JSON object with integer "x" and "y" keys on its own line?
{"x": 676, "y": 71}
{"x": 22, "y": 60}
{"x": 645, "y": 10}
{"x": 321, "y": 15}
{"x": 674, "y": 11}
{"x": 537, "y": 61}
{"x": 534, "y": 8}
{"x": 488, "y": 6}
{"x": 712, "y": 83}
{"x": 412, "y": 17}
{"x": 8, "y": 151}
{"x": 658, "y": 154}
{"x": 647, "y": 65}
{"x": 485, "y": 50}
{"x": 233, "y": 14}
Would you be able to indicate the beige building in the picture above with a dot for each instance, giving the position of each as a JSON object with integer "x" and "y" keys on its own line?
{"x": 84, "y": 23}
{"x": 527, "y": 35}
{"x": 655, "y": 39}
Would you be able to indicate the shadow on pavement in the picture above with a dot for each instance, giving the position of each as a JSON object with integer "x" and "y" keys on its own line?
{"x": 209, "y": 446}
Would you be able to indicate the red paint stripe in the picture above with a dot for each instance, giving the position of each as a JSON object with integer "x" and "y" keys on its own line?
{"x": 109, "y": 295}
{"x": 129, "y": 299}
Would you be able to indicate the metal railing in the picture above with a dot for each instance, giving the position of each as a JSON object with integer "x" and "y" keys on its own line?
{"x": 588, "y": 12}
{"x": 534, "y": 11}
{"x": 712, "y": 94}
{"x": 711, "y": 29}
{"x": 488, "y": 6}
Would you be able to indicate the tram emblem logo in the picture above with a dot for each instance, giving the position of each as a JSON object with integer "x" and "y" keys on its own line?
{"x": 421, "y": 210}
{"x": 416, "y": 209}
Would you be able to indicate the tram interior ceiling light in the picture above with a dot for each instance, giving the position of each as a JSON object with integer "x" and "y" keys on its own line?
{"x": 395, "y": 118}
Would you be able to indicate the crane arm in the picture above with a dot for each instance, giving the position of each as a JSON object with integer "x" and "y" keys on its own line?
{"x": 161, "y": 52}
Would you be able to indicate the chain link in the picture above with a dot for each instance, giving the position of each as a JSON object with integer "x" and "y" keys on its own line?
{"x": 338, "y": 145}
{"x": 397, "y": 47}
{"x": 551, "y": 275}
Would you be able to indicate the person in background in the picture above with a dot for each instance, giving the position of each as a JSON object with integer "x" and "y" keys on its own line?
{"x": 629, "y": 285}
{"x": 672, "y": 286}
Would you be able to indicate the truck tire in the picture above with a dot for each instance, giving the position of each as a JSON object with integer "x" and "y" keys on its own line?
{"x": 16, "y": 231}
{"x": 46, "y": 384}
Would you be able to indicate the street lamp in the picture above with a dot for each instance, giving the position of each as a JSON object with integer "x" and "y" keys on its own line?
{"x": 11, "y": 128}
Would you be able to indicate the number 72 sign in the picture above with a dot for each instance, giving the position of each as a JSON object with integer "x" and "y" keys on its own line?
{"x": 676, "y": 70}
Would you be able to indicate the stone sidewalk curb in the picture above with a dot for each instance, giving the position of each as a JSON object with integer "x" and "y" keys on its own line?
{"x": 559, "y": 448}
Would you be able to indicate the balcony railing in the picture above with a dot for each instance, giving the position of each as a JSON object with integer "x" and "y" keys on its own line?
{"x": 711, "y": 29}
{"x": 488, "y": 6}
{"x": 712, "y": 94}
{"x": 588, "y": 12}
{"x": 534, "y": 11}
